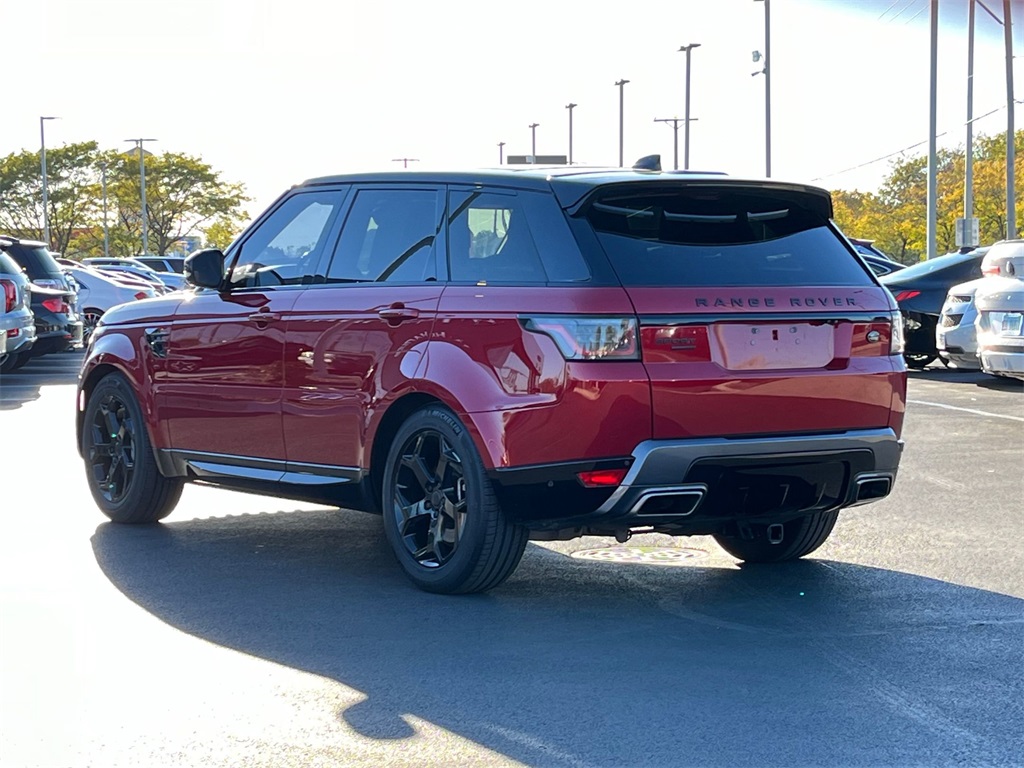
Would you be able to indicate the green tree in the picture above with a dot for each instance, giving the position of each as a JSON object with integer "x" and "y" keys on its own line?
{"x": 183, "y": 194}
{"x": 221, "y": 233}
{"x": 72, "y": 191}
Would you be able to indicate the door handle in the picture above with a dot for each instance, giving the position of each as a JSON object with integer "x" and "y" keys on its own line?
{"x": 262, "y": 317}
{"x": 396, "y": 313}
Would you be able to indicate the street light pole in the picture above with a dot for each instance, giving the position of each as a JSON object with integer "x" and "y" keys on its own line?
{"x": 675, "y": 138}
{"x": 686, "y": 125}
{"x": 142, "y": 184}
{"x": 46, "y": 200}
{"x": 767, "y": 90}
{"x": 501, "y": 153}
{"x": 106, "y": 232}
{"x": 570, "y": 106}
{"x": 533, "y": 145}
{"x": 620, "y": 84}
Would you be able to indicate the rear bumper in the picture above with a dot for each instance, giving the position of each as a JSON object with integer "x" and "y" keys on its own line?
{"x": 702, "y": 485}
{"x": 1008, "y": 362}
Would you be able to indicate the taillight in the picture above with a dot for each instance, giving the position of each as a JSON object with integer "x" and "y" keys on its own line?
{"x": 10, "y": 294}
{"x": 57, "y": 305}
{"x": 588, "y": 338}
{"x": 897, "y": 338}
{"x": 904, "y": 295}
{"x": 602, "y": 478}
{"x": 141, "y": 295}
{"x": 991, "y": 270}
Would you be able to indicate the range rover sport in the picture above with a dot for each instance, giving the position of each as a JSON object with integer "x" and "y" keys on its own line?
{"x": 489, "y": 357}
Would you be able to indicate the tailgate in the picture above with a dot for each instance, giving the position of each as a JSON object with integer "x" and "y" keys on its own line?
{"x": 749, "y": 361}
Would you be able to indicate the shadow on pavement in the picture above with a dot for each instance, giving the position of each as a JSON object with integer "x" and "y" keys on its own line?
{"x": 25, "y": 384}
{"x": 578, "y": 663}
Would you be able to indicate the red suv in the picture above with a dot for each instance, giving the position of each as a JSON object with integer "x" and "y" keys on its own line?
{"x": 501, "y": 355}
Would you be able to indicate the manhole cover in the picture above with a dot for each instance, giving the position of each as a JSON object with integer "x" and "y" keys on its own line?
{"x": 642, "y": 555}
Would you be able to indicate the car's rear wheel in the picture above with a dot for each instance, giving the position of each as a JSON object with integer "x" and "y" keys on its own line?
{"x": 784, "y": 541}
{"x": 14, "y": 361}
{"x": 90, "y": 319}
{"x": 918, "y": 360}
{"x": 441, "y": 517}
{"x": 122, "y": 473}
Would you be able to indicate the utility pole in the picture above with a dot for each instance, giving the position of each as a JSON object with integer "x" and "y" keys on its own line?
{"x": 968, "y": 229}
{"x": 675, "y": 137}
{"x": 46, "y": 200}
{"x": 932, "y": 126}
{"x": 620, "y": 85}
{"x": 142, "y": 184}
{"x": 533, "y": 141}
{"x": 501, "y": 153}
{"x": 767, "y": 87}
{"x": 405, "y": 161}
{"x": 570, "y": 106}
{"x": 106, "y": 232}
{"x": 1011, "y": 150}
{"x": 686, "y": 131}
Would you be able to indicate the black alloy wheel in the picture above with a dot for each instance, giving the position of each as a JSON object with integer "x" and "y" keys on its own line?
{"x": 111, "y": 455}
{"x": 430, "y": 498}
{"x": 917, "y": 359}
{"x": 441, "y": 517}
{"x": 123, "y": 476}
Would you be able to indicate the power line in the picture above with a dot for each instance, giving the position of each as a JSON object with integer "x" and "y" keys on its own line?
{"x": 905, "y": 149}
{"x": 894, "y": 2}
{"x": 923, "y": 9}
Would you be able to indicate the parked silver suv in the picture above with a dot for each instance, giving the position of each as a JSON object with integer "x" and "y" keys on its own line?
{"x": 17, "y": 323}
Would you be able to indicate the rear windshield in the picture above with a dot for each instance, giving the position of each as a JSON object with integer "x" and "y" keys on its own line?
{"x": 37, "y": 261}
{"x": 722, "y": 237}
{"x": 938, "y": 263}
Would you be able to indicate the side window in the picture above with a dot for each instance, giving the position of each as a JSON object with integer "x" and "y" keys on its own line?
{"x": 489, "y": 240}
{"x": 388, "y": 235}
{"x": 286, "y": 247}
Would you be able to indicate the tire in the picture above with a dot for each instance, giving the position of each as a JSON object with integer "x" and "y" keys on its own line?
{"x": 119, "y": 464}
{"x": 90, "y": 317}
{"x": 918, "y": 360}
{"x": 469, "y": 544}
{"x": 14, "y": 361}
{"x": 799, "y": 537}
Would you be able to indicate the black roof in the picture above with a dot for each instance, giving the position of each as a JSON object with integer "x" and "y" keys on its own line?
{"x": 571, "y": 183}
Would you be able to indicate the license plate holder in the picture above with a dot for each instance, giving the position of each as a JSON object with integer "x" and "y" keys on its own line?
{"x": 773, "y": 346}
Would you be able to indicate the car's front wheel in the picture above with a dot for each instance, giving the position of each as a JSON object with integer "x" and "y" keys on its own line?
{"x": 783, "y": 541}
{"x": 122, "y": 473}
{"x": 441, "y": 517}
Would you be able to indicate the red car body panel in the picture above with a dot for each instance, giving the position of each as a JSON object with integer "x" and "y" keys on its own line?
{"x": 711, "y": 380}
{"x": 342, "y": 359}
{"x": 220, "y": 386}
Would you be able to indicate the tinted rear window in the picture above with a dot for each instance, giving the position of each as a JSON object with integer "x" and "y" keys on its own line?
{"x": 719, "y": 237}
{"x": 38, "y": 262}
{"x": 8, "y": 266}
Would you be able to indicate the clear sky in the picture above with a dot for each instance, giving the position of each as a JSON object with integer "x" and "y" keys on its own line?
{"x": 271, "y": 92}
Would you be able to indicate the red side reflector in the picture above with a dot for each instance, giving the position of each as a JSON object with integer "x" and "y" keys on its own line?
{"x": 141, "y": 295}
{"x": 601, "y": 478}
{"x": 904, "y": 295}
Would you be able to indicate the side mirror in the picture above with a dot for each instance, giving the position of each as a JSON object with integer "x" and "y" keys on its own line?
{"x": 205, "y": 268}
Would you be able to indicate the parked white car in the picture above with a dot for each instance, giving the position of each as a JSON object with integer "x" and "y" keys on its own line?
{"x": 97, "y": 293}
{"x": 956, "y": 332}
{"x": 1000, "y": 326}
{"x": 172, "y": 280}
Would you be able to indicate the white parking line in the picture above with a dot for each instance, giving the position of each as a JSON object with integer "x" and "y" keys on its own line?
{"x": 966, "y": 410}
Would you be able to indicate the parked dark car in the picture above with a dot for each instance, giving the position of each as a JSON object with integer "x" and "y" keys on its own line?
{"x": 16, "y": 320}
{"x": 490, "y": 356}
{"x": 58, "y": 327}
{"x": 921, "y": 290}
{"x": 868, "y": 248}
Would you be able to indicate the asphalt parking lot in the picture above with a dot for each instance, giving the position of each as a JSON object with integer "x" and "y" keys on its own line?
{"x": 250, "y": 631}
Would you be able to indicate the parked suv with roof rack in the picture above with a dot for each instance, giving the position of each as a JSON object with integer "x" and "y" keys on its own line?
{"x": 492, "y": 356}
